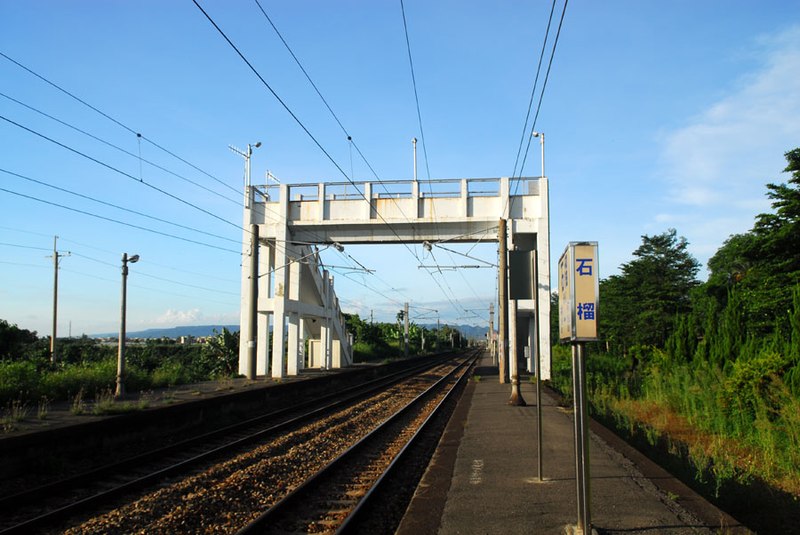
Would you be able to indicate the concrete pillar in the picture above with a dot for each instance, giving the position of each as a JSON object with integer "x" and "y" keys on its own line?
{"x": 301, "y": 350}
{"x": 321, "y": 201}
{"x": 516, "y": 398}
{"x": 367, "y": 213}
{"x": 464, "y": 199}
{"x": 265, "y": 291}
{"x": 281, "y": 288}
{"x": 292, "y": 363}
{"x": 532, "y": 343}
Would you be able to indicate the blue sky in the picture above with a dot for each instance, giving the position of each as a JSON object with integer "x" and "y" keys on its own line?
{"x": 656, "y": 115}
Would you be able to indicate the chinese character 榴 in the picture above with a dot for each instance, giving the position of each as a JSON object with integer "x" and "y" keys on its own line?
{"x": 584, "y": 266}
{"x": 585, "y": 311}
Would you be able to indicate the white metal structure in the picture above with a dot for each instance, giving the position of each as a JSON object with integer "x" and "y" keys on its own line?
{"x": 295, "y": 293}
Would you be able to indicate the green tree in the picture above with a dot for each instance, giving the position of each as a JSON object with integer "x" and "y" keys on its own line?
{"x": 14, "y": 342}
{"x": 763, "y": 264}
{"x": 640, "y": 306}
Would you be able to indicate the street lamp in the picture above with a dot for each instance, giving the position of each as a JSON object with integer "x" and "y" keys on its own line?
{"x": 246, "y": 155}
{"x": 541, "y": 135}
{"x": 121, "y": 354}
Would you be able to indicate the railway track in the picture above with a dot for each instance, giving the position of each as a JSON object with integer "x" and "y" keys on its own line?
{"x": 199, "y": 482}
{"x": 337, "y": 497}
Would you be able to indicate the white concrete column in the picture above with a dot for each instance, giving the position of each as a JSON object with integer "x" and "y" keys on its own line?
{"x": 367, "y": 213}
{"x": 415, "y": 198}
{"x": 464, "y": 199}
{"x": 293, "y": 295}
{"x": 504, "y": 195}
{"x": 292, "y": 364}
{"x": 281, "y": 287}
{"x": 321, "y": 201}
{"x": 532, "y": 343}
{"x": 267, "y": 262}
{"x": 513, "y": 351}
{"x": 301, "y": 351}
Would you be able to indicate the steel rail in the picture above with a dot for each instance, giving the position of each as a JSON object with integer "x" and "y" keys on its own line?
{"x": 259, "y": 524}
{"x": 352, "y": 394}
{"x": 350, "y": 523}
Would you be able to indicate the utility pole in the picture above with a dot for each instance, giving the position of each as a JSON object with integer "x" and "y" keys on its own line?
{"x": 492, "y": 351}
{"x": 405, "y": 335}
{"x": 56, "y": 256}
{"x": 252, "y": 314}
{"x": 502, "y": 345}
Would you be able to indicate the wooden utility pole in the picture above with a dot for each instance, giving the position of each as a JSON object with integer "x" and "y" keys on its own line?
{"x": 492, "y": 348}
{"x": 502, "y": 346}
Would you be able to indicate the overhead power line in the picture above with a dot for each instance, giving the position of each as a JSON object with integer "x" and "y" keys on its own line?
{"x": 544, "y": 86}
{"x": 116, "y": 147}
{"x": 119, "y": 171}
{"x": 116, "y": 206}
{"x": 115, "y": 121}
{"x": 104, "y": 218}
{"x": 293, "y": 116}
{"x": 533, "y": 89}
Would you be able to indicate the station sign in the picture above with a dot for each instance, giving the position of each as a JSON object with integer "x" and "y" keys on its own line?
{"x": 578, "y": 293}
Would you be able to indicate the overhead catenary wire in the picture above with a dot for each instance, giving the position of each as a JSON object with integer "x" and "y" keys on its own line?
{"x": 351, "y": 142}
{"x": 112, "y": 220}
{"x": 291, "y": 113}
{"x": 541, "y": 94}
{"x": 533, "y": 89}
{"x": 119, "y": 171}
{"x": 117, "y": 147}
{"x": 115, "y": 121}
{"x": 116, "y": 206}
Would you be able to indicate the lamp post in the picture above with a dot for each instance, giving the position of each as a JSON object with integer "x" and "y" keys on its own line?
{"x": 540, "y": 135}
{"x": 246, "y": 155}
{"x": 121, "y": 354}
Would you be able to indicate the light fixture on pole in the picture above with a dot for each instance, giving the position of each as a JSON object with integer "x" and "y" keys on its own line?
{"x": 246, "y": 155}
{"x": 541, "y": 136}
{"x": 120, "y": 392}
{"x": 414, "y": 142}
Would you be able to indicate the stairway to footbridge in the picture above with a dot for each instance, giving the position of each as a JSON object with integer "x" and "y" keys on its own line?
{"x": 294, "y": 295}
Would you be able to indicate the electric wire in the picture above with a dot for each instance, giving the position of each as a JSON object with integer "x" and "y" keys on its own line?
{"x": 119, "y": 171}
{"x": 104, "y": 218}
{"x": 156, "y": 277}
{"x": 350, "y": 139}
{"x": 533, "y": 89}
{"x": 541, "y": 94}
{"x": 118, "y": 207}
{"x": 113, "y": 146}
{"x": 294, "y": 117}
{"x": 115, "y": 121}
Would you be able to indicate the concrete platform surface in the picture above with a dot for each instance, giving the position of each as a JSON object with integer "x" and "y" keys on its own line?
{"x": 484, "y": 478}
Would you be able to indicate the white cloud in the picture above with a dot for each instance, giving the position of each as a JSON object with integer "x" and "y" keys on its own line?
{"x": 716, "y": 166}
{"x": 178, "y": 317}
{"x": 726, "y": 154}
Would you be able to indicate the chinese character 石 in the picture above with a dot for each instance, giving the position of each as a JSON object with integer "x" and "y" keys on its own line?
{"x": 585, "y": 311}
{"x": 584, "y": 266}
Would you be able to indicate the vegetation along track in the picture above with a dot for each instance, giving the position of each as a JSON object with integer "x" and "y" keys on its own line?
{"x": 195, "y": 494}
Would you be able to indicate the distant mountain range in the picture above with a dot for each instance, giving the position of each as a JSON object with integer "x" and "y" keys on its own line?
{"x": 469, "y": 331}
{"x": 174, "y": 332}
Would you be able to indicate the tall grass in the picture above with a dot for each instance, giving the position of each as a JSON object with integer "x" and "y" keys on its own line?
{"x": 743, "y": 420}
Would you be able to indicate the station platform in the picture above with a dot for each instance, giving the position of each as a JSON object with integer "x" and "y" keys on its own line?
{"x": 484, "y": 479}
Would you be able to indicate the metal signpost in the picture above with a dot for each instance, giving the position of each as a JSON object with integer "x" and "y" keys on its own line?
{"x": 578, "y": 303}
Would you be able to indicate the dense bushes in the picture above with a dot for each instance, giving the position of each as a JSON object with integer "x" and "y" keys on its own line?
{"x": 89, "y": 367}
